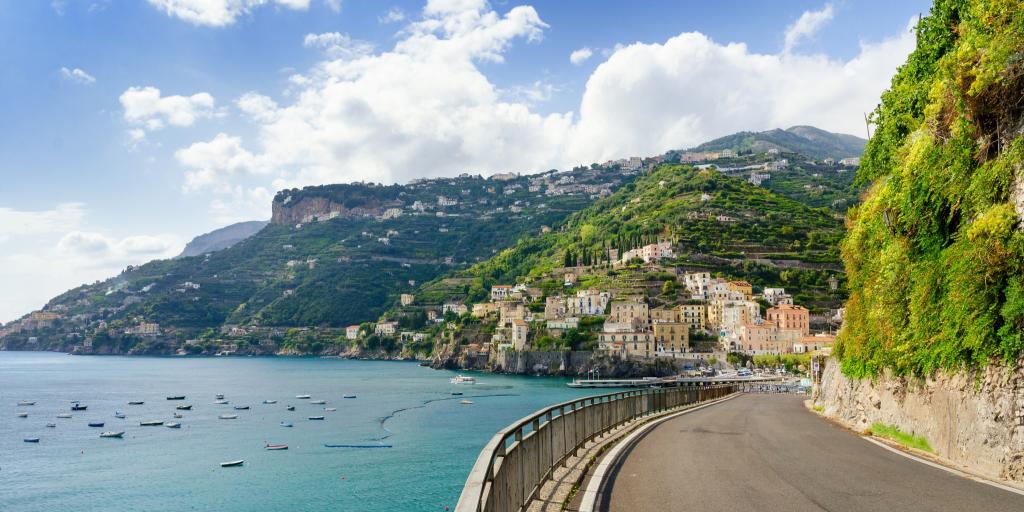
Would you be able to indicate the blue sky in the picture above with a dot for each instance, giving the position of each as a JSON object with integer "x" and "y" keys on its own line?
{"x": 130, "y": 127}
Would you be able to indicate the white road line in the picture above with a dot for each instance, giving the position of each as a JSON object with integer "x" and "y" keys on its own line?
{"x": 945, "y": 468}
{"x": 601, "y": 469}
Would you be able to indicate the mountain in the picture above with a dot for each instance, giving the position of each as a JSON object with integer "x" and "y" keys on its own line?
{"x": 222, "y": 238}
{"x": 806, "y": 140}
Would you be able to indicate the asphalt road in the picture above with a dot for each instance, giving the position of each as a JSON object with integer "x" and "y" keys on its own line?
{"x": 767, "y": 452}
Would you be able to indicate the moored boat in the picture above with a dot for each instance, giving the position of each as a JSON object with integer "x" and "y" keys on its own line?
{"x": 232, "y": 463}
{"x": 136, "y": 402}
{"x": 64, "y": 415}
{"x": 457, "y": 393}
{"x": 318, "y": 402}
{"x": 112, "y": 434}
{"x": 349, "y": 396}
{"x": 178, "y": 415}
{"x": 277, "y": 446}
{"x": 31, "y": 439}
{"x": 221, "y": 402}
{"x": 462, "y": 379}
{"x": 176, "y": 397}
{"x": 151, "y": 423}
{"x": 184, "y": 407}
{"x": 270, "y": 401}
{"x": 302, "y": 397}
{"x": 172, "y": 424}
{"x": 23, "y": 415}
{"x": 26, "y": 402}
{"x": 78, "y": 407}
{"x": 51, "y": 425}
{"x": 330, "y": 409}
{"x": 241, "y": 407}
{"x": 219, "y": 396}
{"x": 316, "y": 417}
{"x": 287, "y": 424}
{"x": 466, "y": 402}
{"x": 119, "y": 414}
{"x": 290, "y": 407}
{"x": 95, "y": 423}
{"x": 228, "y": 416}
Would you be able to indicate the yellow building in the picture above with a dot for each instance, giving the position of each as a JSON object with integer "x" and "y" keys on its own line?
{"x": 672, "y": 336}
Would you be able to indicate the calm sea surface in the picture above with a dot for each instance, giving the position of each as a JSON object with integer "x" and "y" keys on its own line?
{"x": 435, "y": 439}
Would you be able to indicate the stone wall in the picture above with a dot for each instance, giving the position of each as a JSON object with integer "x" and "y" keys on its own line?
{"x": 975, "y": 420}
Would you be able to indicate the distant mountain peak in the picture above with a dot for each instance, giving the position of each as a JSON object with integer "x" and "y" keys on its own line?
{"x": 809, "y": 141}
{"x": 222, "y": 238}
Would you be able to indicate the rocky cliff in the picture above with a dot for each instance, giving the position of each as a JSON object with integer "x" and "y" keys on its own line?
{"x": 314, "y": 208}
{"x": 972, "y": 419}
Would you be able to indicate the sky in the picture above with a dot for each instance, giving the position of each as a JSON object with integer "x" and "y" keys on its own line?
{"x": 129, "y": 127}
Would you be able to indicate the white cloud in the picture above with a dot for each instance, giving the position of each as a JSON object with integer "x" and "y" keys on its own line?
{"x": 809, "y": 23}
{"x": 77, "y": 76}
{"x": 392, "y": 15}
{"x": 425, "y": 108}
{"x": 241, "y": 204}
{"x": 221, "y": 13}
{"x": 20, "y": 223}
{"x": 580, "y": 56}
{"x": 101, "y": 248}
{"x": 144, "y": 106}
{"x": 338, "y": 45}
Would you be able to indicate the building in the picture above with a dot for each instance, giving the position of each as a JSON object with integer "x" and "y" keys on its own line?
{"x": 788, "y": 316}
{"x": 671, "y": 337}
{"x": 821, "y": 342}
{"x": 772, "y": 295}
{"x": 569, "y": 279}
{"x": 386, "y": 328}
{"x": 352, "y": 332}
{"x": 454, "y": 307}
{"x": 694, "y": 315}
{"x": 564, "y": 323}
{"x": 554, "y": 307}
{"x": 697, "y": 284}
{"x": 850, "y": 162}
{"x": 626, "y": 342}
{"x": 519, "y": 333}
{"x": 767, "y": 338}
{"x": 664, "y": 315}
{"x": 501, "y": 291}
{"x": 743, "y": 288}
{"x": 483, "y": 309}
{"x": 407, "y": 298}
{"x": 587, "y": 303}
{"x": 650, "y": 252}
{"x": 144, "y": 329}
{"x": 630, "y": 312}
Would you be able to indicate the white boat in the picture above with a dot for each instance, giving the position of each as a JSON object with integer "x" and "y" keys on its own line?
{"x": 172, "y": 424}
{"x": 23, "y": 415}
{"x": 219, "y": 397}
{"x": 302, "y": 397}
{"x": 462, "y": 379}
{"x": 178, "y": 415}
{"x": 330, "y": 409}
{"x": 51, "y": 425}
{"x": 64, "y": 415}
{"x": 119, "y": 415}
{"x": 232, "y": 463}
{"x": 228, "y": 416}
{"x": 26, "y": 402}
{"x": 221, "y": 402}
{"x": 270, "y": 401}
{"x": 151, "y": 423}
{"x": 316, "y": 418}
{"x": 112, "y": 434}
{"x": 318, "y": 402}
{"x": 466, "y": 402}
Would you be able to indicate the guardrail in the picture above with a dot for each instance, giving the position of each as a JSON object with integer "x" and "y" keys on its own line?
{"x": 516, "y": 462}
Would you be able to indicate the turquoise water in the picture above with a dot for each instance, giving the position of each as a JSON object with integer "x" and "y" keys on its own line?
{"x": 435, "y": 439}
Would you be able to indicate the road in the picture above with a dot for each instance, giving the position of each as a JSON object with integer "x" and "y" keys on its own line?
{"x": 768, "y": 453}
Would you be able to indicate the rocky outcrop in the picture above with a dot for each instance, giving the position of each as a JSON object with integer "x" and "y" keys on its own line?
{"x": 972, "y": 419}
{"x": 317, "y": 208}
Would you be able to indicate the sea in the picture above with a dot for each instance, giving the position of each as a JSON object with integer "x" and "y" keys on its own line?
{"x": 431, "y": 439}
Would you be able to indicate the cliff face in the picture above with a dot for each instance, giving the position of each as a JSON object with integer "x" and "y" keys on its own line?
{"x": 975, "y": 419}
{"x": 313, "y": 208}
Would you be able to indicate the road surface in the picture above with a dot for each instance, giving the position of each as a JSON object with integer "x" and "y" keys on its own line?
{"x": 767, "y": 452}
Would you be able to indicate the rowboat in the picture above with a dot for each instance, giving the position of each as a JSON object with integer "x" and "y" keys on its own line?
{"x": 95, "y": 423}
{"x": 176, "y": 397}
{"x": 232, "y": 463}
{"x": 23, "y": 415}
{"x": 316, "y": 417}
{"x": 287, "y": 424}
{"x": 112, "y": 434}
{"x": 302, "y": 397}
{"x": 151, "y": 423}
{"x": 172, "y": 424}
{"x": 136, "y": 402}
{"x": 228, "y": 416}
{"x": 184, "y": 407}
{"x": 31, "y": 439}
{"x": 241, "y": 407}
{"x": 318, "y": 402}
{"x": 277, "y": 447}
{"x": 26, "y": 402}
{"x": 270, "y": 401}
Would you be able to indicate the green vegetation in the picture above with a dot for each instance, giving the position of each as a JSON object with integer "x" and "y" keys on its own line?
{"x": 894, "y": 434}
{"x": 935, "y": 254}
{"x": 806, "y": 140}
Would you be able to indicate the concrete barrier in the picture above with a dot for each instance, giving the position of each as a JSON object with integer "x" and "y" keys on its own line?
{"x": 517, "y": 460}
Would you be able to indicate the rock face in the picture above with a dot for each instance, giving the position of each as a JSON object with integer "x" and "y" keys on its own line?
{"x": 971, "y": 419}
{"x": 310, "y": 209}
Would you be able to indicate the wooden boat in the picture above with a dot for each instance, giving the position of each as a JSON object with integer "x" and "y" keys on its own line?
{"x": 287, "y": 424}
{"x": 23, "y": 415}
{"x": 31, "y": 439}
{"x": 151, "y": 423}
{"x": 95, "y": 423}
{"x": 172, "y": 424}
{"x": 113, "y": 434}
{"x": 302, "y": 397}
{"x": 176, "y": 397}
{"x": 270, "y": 401}
{"x": 228, "y": 416}
{"x": 318, "y": 402}
{"x": 290, "y": 407}
{"x": 241, "y": 407}
{"x": 184, "y": 407}
{"x": 63, "y": 415}
{"x": 136, "y": 402}
{"x": 316, "y": 418}
{"x": 26, "y": 402}
{"x": 277, "y": 446}
{"x": 232, "y": 463}
{"x": 79, "y": 407}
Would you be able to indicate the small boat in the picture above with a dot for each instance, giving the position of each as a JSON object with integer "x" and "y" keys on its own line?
{"x": 457, "y": 393}
{"x": 136, "y": 402}
{"x": 176, "y": 397}
{"x": 184, "y": 407}
{"x": 466, "y": 402}
{"x": 178, "y": 415}
{"x": 330, "y": 409}
{"x": 349, "y": 396}
{"x": 219, "y": 397}
{"x": 172, "y": 424}
{"x": 287, "y": 424}
{"x": 119, "y": 414}
{"x": 113, "y": 434}
{"x": 23, "y": 415}
{"x": 462, "y": 379}
{"x": 277, "y": 446}
{"x": 241, "y": 407}
{"x": 316, "y": 417}
{"x": 63, "y": 415}
{"x": 31, "y": 439}
{"x": 232, "y": 463}
{"x": 95, "y": 423}
{"x": 26, "y": 402}
{"x": 270, "y": 401}
{"x": 151, "y": 423}
{"x": 79, "y": 407}
{"x": 221, "y": 402}
{"x": 51, "y": 425}
{"x": 290, "y": 408}
{"x": 318, "y": 402}
{"x": 302, "y": 397}
{"x": 228, "y": 416}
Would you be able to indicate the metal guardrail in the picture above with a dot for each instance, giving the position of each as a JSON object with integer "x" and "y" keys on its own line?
{"x": 515, "y": 463}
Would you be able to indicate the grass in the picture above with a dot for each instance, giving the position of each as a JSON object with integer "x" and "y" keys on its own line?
{"x": 894, "y": 434}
